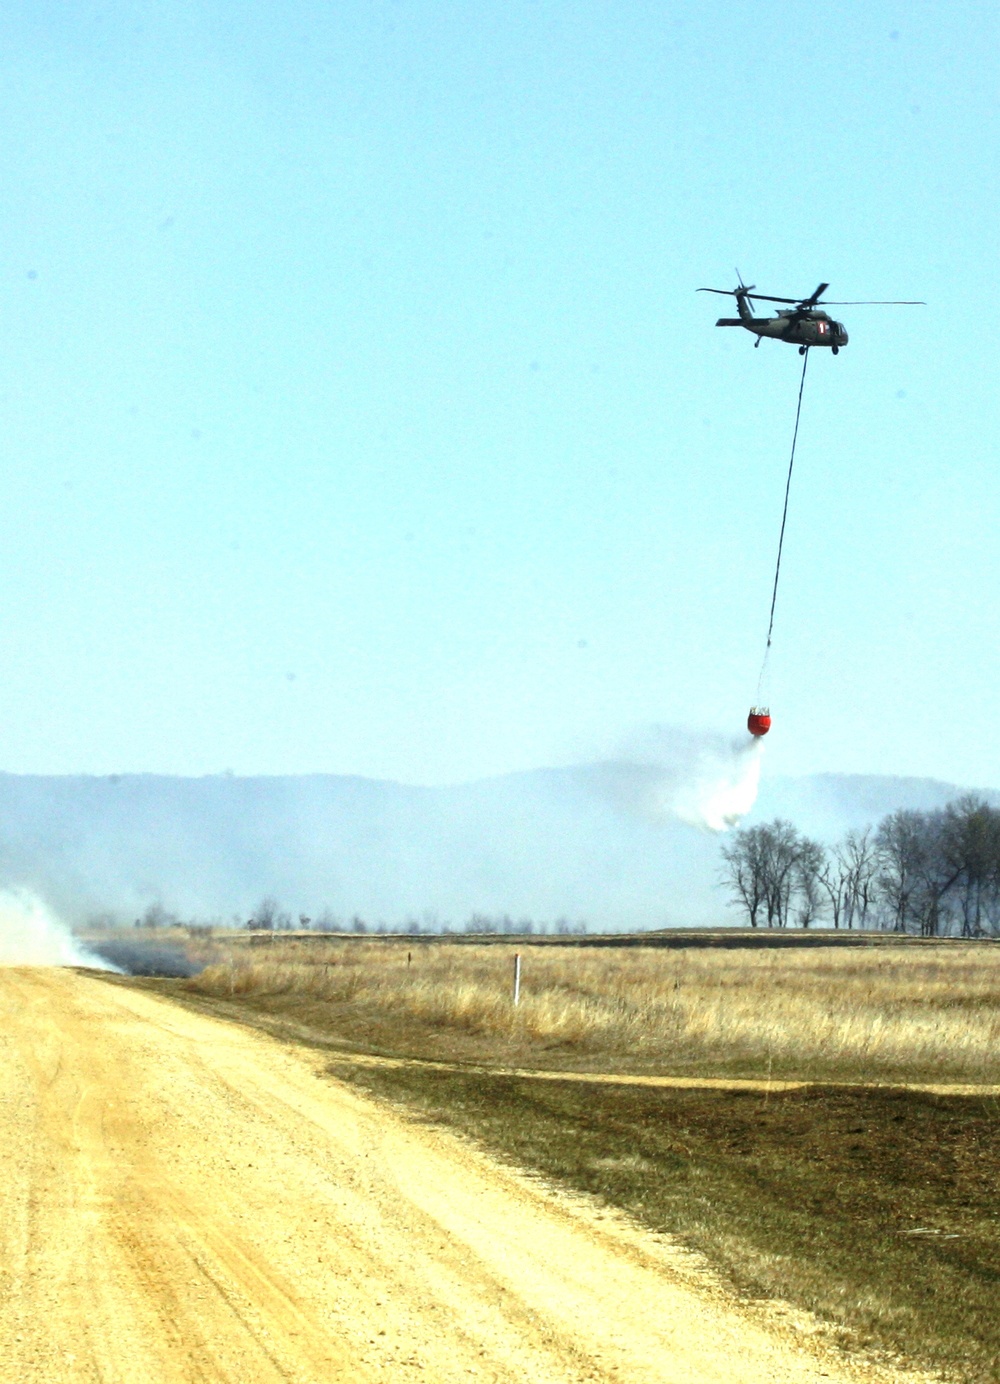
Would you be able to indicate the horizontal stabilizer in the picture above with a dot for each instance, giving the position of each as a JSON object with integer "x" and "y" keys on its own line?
{"x": 729, "y": 322}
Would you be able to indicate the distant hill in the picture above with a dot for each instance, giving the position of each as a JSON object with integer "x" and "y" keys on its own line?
{"x": 825, "y": 805}
{"x": 547, "y": 844}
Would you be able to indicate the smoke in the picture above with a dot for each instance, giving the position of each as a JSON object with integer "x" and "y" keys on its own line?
{"x": 31, "y": 935}
{"x": 707, "y": 780}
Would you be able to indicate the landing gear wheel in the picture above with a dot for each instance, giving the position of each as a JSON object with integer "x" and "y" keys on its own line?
{"x": 802, "y": 350}
{"x": 835, "y": 349}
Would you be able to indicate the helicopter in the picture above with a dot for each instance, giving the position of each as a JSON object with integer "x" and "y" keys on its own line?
{"x": 804, "y": 326}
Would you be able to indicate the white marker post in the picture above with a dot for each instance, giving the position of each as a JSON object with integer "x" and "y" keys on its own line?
{"x": 517, "y": 977}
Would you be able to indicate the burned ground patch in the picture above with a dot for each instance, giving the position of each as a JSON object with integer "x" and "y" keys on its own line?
{"x": 878, "y": 1209}
{"x": 141, "y": 957}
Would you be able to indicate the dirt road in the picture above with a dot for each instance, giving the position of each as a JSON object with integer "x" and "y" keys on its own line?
{"x": 183, "y": 1199}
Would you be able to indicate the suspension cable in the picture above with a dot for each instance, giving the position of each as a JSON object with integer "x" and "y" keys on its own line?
{"x": 784, "y": 517}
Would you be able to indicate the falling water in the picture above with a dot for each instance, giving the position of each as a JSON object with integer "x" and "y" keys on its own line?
{"x": 706, "y": 779}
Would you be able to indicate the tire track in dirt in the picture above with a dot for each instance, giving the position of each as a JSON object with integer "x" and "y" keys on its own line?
{"x": 684, "y": 1083}
{"x": 340, "y": 1051}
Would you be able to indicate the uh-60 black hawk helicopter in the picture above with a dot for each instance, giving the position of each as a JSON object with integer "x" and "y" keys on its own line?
{"x": 804, "y": 326}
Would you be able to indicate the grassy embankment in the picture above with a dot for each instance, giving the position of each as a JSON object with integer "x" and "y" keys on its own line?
{"x": 876, "y": 1208}
{"x": 900, "y": 1013}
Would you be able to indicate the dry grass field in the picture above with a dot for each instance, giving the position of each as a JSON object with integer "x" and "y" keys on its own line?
{"x": 872, "y": 1204}
{"x": 892, "y": 1013}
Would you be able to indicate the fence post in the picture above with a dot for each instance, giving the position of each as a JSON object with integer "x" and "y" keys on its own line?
{"x": 517, "y": 977}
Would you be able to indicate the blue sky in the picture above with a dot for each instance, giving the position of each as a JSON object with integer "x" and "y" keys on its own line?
{"x": 360, "y": 415}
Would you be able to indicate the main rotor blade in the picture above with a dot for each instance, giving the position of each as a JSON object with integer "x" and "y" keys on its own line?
{"x": 742, "y": 292}
{"x": 877, "y": 303}
{"x": 767, "y": 298}
{"x": 811, "y": 302}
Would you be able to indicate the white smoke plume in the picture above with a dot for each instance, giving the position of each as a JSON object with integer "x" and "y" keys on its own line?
{"x": 31, "y": 935}
{"x": 710, "y": 781}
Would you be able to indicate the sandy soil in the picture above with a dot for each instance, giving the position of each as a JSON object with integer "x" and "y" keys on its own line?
{"x": 684, "y": 1083}
{"x": 184, "y": 1199}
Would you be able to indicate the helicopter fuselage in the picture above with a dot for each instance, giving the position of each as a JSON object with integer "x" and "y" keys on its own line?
{"x": 802, "y": 329}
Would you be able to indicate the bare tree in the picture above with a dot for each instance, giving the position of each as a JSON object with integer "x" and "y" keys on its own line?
{"x": 848, "y": 878}
{"x": 833, "y": 880}
{"x": 743, "y": 870}
{"x": 971, "y": 848}
{"x": 780, "y": 871}
{"x": 939, "y": 869}
{"x": 769, "y": 868}
{"x": 899, "y": 844}
{"x": 922, "y": 857}
{"x": 859, "y": 855}
{"x": 928, "y": 872}
{"x": 808, "y": 887}
{"x": 267, "y": 914}
{"x": 157, "y": 916}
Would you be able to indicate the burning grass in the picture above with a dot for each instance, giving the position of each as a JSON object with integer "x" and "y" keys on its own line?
{"x": 888, "y": 1013}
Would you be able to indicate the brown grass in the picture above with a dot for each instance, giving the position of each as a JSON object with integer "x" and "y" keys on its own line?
{"x": 876, "y": 1208}
{"x": 867, "y": 1013}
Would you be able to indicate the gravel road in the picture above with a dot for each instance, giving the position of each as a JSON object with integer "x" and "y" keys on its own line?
{"x": 185, "y": 1199}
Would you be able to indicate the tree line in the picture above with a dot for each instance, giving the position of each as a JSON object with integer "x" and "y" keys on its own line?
{"x": 931, "y": 873}
{"x": 270, "y": 916}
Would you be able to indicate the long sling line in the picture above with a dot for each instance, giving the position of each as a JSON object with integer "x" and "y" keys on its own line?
{"x": 784, "y": 513}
